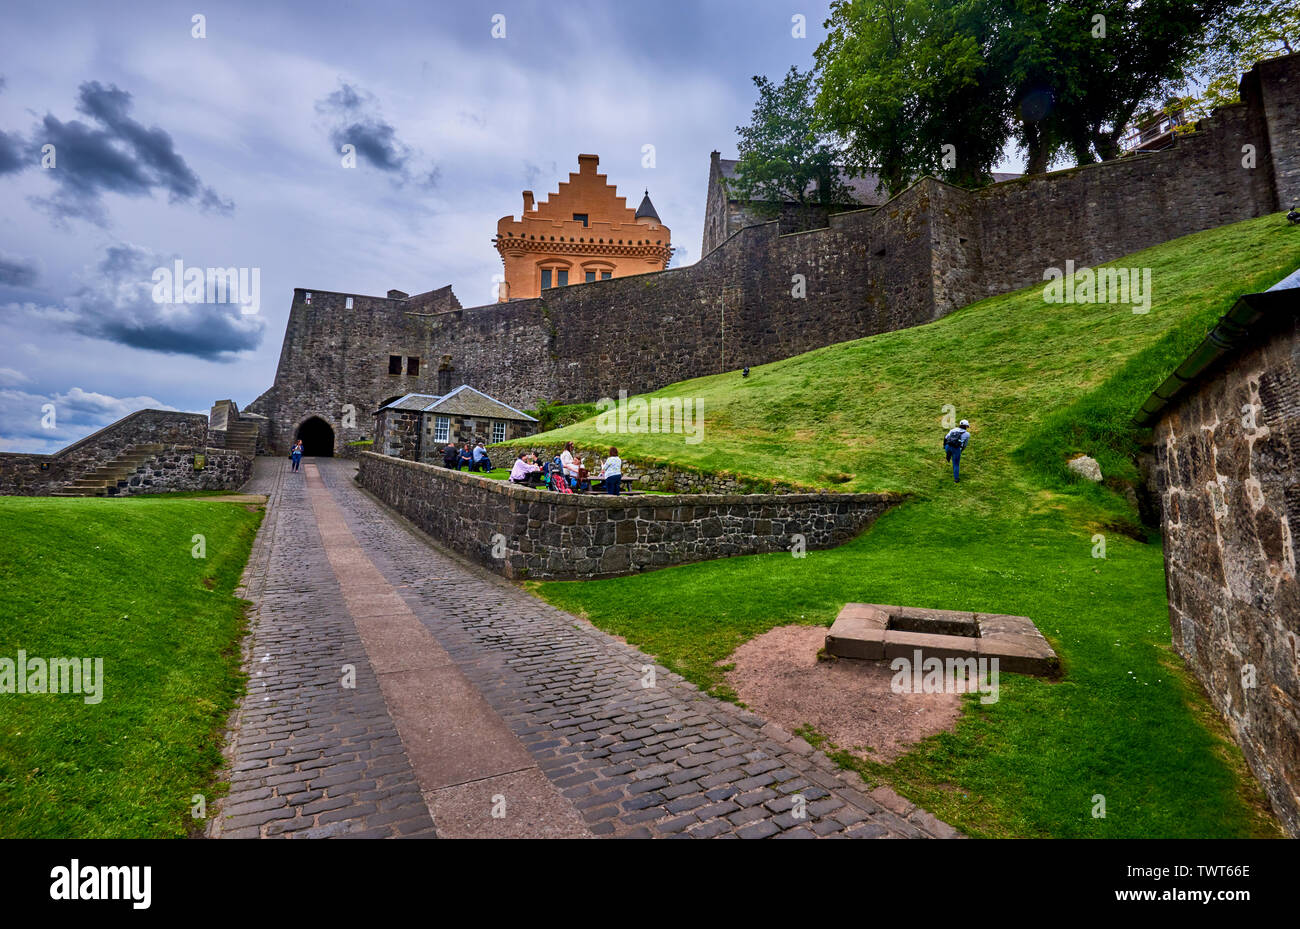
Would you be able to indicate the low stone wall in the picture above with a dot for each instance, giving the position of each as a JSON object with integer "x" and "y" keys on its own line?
{"x": 653, "y": 475}
{"x": 173, "y": 471}
{"x": 537, "y": 534}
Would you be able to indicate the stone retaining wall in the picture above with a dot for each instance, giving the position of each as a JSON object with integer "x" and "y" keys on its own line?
{"x": 537, "y": 534}
{"x": 173, "y": 471}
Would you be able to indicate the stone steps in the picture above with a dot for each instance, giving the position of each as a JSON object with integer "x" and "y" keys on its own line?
{"x": 241, "y": 437}
{"x": 95, "y": 483}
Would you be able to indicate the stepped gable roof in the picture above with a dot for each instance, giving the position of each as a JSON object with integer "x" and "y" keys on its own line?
{"x": 466, "y": 401}
{"x": 647, "y": 209}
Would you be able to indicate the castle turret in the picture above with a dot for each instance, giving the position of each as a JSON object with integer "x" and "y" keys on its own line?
{"x": 646, "y": 211}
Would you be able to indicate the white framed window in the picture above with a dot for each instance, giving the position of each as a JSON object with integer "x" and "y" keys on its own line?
{"x": 441, "y": 428}
{"x": 498, "y": 431}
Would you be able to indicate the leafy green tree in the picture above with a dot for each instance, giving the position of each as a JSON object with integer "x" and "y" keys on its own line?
{"x": 1256, "y": 30}
{"x": 902, "y": 78}
{"x": 1146, "y": 53}
{"x": 909, "y": 88}
{"x": 784, "y": 157}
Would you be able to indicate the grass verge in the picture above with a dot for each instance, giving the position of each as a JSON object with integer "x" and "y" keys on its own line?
{"x": 119, "y": 580}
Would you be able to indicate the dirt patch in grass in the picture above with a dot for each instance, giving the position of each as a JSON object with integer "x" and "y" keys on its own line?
{"x": 849, "y": 702}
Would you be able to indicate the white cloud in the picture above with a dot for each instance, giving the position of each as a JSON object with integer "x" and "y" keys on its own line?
{"x": 45, "y": 423}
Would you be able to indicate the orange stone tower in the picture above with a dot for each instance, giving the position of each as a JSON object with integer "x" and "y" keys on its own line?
{"x": 584, "y": 232}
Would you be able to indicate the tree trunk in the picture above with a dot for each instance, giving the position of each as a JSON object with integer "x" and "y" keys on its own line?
{"x": 1035, "y": 148}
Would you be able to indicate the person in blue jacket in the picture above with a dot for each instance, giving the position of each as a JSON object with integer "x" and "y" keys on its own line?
{"x": 953, "y": 444}
{"x": 295, "y": 455}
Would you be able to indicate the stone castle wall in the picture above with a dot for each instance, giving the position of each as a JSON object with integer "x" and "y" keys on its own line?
{"x": 1231, "y": 520}
{"x": 539, "y": 534}
{"x": 930, "y": 250}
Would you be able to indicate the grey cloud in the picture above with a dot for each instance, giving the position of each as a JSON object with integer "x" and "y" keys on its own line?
{"x": 355, "y": 119}
{"x": 11, "y": 158}
{"x": 119, "y": 155}
{"x": 18, "y": 272}
{"x": 116, "y": 304}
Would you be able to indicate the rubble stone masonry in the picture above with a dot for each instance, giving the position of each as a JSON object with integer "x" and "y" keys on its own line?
{"x": 1227, "y": 468}
{"x": 522, "y": 533}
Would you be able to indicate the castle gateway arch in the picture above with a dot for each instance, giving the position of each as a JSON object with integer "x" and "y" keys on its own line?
{"x": 317, "y": 437}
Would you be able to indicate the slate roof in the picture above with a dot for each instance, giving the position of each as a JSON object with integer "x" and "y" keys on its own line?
{"x": 647, "y": 209}
{"x": 1251, "y": 319}
{"x": 466, "y": 401}
{"x": 412, "y": 402}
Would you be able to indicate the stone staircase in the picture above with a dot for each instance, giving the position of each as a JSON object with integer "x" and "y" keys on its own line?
{"x": 96, "y": 483}
{"x": 241, "y": 437}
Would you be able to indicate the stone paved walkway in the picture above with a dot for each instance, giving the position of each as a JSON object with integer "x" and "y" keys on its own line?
{"x": 472, "y": 697}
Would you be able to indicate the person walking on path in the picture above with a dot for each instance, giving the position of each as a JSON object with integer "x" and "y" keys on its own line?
{"x": 953, "y": 444}
{"x": 296, "y": 454}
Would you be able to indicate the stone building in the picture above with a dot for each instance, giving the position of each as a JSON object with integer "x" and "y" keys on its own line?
{"x": 726, "y": 214}
{"x": 419, "y": 426}
{"x": 584, "y": 232}
{"x": 1226, "y": 467}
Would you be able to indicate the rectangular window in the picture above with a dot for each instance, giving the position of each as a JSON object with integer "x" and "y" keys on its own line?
{"x": 580, "y": 218}
{"x": 413, "y": 366}
{"x": 591, "y": 276}
{"x": 606, "y": 275}
{"x": 563, "y": 277}
{"x": 347, "y": 304}
{"x": 498, "y": 431}
{"x": 441, "y": 429}
{"x": 546, "y": 278}
{"x": 394, "y": 364}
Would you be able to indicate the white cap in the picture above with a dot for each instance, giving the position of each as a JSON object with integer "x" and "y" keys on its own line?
{"x": 963, "y": 424}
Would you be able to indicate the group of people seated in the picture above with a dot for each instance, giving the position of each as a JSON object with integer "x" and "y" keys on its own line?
{"x": 566, "y": 472}
{"x": 475, "y": 459}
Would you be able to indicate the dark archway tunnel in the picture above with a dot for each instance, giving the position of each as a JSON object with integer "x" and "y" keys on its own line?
{"x": 317, "y": 437}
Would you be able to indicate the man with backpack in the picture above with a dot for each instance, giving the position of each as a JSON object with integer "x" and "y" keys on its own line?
{"x": 953, "y": 444}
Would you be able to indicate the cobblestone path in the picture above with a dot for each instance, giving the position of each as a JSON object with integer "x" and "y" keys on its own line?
{"x": 473, "y": 698}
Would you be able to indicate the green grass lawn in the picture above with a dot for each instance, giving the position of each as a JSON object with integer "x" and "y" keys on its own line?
{"x": 1039, "y": 383}
{"x": 118, "y": 580}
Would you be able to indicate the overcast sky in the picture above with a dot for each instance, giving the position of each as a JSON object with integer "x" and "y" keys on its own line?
{"x": 224, "y": 151}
